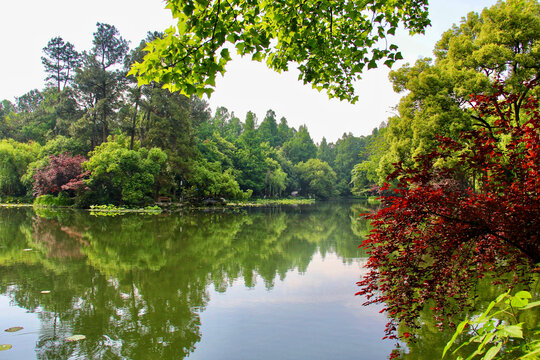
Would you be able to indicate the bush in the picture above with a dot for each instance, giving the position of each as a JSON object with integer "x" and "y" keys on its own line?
{"x": 59, "y": 171}
{"x": 209, "y": 181}
{"x": 119, "y": 175}
{"x": 14, "y": 160}
{"x": 50, "y": 200}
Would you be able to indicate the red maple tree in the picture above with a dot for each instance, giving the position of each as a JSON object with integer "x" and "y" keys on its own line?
{"x": 63, "y": 172}
{"x": 471, "y": 209}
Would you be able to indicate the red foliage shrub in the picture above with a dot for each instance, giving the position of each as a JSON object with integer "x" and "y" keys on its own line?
{"x": 63, "y": 172}
{"x": 448, "y": 225}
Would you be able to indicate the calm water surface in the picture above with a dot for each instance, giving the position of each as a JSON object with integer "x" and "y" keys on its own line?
{"x": 275, "y": 283}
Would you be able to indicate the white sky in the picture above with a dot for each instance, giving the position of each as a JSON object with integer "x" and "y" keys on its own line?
{"x": 27, "y": 26}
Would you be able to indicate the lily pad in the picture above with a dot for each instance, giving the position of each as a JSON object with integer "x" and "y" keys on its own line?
{"x": 4, "y": 347}
{"x": 14, "y": 328}
{"x": 76, "y": 338}
{"x": 46, "y": 292}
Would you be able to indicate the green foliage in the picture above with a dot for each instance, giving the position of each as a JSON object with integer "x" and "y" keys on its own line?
{"x": 102, "y": 101}
{"x": 276, "y": 179}
{"x": 14, "y": 159}
{"x": 349, "y": 150}
{"x": 207, "y": 180}
{"x": 49, "y": 200}
{"x": 498, "y": 45}
{"x": 498, "y": 330}
{"x": 300, "y": 148}
{"x": 365, "y": 174}
{"x": 317, "y": 178}
{"x": 122, "y": 176}
{"x": 268, "y": 130}
{"x": 326, "y": 152}
{"x": 331, "y": 52}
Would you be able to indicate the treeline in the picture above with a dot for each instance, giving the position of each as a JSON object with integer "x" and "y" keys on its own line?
{"x": 94, "y": 135}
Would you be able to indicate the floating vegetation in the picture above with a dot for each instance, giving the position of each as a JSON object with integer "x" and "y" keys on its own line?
{"x": 76, "y": 338}
{"x": 5, "y": 347}
{"x": 112, "y": 210}
{"x": 273, "y": 202}
{"x": 14, "y": 329}
{"x": 15, "y": 205}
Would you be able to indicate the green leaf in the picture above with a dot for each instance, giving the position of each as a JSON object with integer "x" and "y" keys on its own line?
{"x": 485, "y": 313}
{"x": 389, "y": 63}
{"x": 490, "y": 354}
{"x": 257, "y": 56}
{"x": 521, "y": 299}
{"x": 486, "y": 340}
{"x": 5, "y": 347}
{"x": 513, "y": 330}
{"x": 531, "y": 305}
{"x": 532, "y": 355}
{"x": 225, "y": 54}
{"x": 502, "y": 296}
{"x": 133, "y": 71}
{"x": 14, "y": 329}
{"x": 458, "y": 331}
{"x": 372, "y": 65}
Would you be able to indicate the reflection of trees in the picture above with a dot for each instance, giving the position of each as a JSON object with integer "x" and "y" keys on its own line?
{"x": 135, "y": 285}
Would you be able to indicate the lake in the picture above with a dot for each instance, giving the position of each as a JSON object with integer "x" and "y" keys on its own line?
{"x": 266, "y": 283}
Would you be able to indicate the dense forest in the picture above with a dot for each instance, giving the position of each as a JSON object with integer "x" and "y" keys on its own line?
{"x": 93, "y": 134}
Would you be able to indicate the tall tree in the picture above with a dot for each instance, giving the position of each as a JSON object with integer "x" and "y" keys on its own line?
{"x": 498, "y": 45}
{"x": 285, "y": 133}
{"x": 6, "y": 108}
{"x": 301, "y": 147}
{"x": 350, "y": 150}
{"x": 326, "y": 152}
{"x": 268, "y": 129}
{"x": 100, "y": 85}
{"x": 316, "y": 178}
{"x": 109, "y": 47}
{"x": 250, "y": 159}
{"x": 60, "y": 61}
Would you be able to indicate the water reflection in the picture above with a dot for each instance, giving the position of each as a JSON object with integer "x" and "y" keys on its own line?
{"x": 136, "y": 286}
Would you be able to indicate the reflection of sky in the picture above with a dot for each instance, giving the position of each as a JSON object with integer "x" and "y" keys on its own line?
{"x": 314, "y": 315}
{"x": 23, "y": 341}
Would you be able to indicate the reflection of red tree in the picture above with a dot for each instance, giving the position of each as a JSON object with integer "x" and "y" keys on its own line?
{"x": 451, "y": 224}
{"x": 60, "y": 241}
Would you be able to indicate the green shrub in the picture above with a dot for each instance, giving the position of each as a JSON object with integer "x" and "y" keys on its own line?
{"x": 500, "y": 330}
{"x": 50, "y": 200}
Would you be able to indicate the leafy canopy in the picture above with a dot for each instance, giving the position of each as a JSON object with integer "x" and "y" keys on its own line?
{"x": 332, "y": 41}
